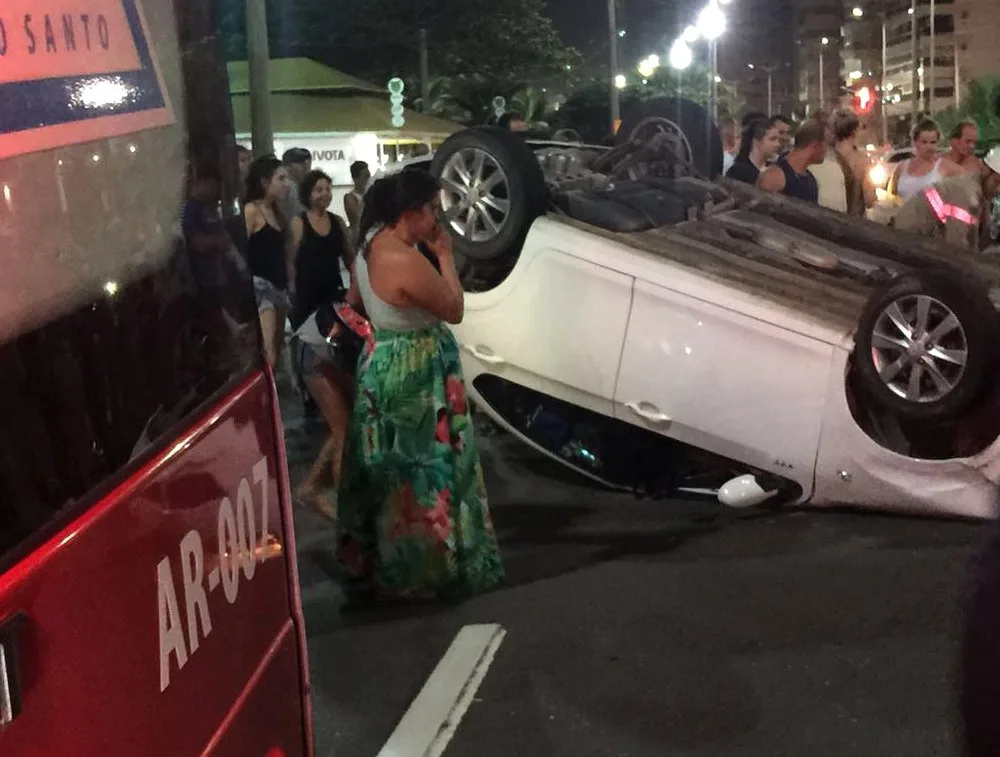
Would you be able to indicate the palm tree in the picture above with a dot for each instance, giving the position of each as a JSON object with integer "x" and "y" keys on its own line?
{"x": 468, "y": 98}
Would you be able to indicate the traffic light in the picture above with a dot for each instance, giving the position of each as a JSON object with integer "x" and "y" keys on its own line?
{"x": 864, "y": 101}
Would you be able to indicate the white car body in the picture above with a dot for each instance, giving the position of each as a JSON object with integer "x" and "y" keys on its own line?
{"x": 630, "y": 335}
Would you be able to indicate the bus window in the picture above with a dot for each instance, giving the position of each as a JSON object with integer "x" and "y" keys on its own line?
{"x": 148, "y": 595}
{"x": 144, "y": 346}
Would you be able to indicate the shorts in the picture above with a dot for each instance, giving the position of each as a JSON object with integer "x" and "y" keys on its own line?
{"x": 306, "y": 360}
{"x": 269, "y": 297}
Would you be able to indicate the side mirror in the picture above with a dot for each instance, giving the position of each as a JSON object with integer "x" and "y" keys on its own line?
{"x": 743, "y": 492}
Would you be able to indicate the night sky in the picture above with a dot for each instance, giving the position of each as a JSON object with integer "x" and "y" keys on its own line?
{"x": 651, "y": 25}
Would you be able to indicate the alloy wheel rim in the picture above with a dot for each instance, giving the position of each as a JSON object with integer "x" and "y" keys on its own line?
{"x": 919, "y": 348}
{"x": 475, "y": 195}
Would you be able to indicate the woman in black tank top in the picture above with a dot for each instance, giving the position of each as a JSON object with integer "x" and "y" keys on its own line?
{"x": 320, "y": 243}
{"x": 320, "y": 240}
{"x": 267, "y": 185}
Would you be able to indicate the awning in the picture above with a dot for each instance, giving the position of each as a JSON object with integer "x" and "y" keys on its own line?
{"x": 300, "y": 75}
{"x": 350, "y": 114}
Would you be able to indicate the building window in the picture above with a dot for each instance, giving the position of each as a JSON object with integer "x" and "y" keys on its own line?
{"x": 943, "y": 24}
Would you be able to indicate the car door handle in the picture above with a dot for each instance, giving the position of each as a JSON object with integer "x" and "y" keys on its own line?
{"x": 649, "y": 412}
{"x": 10, "y": 669}
{"x": 485, "y": 354}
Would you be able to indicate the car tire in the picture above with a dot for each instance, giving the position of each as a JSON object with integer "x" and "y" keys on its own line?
{"x": 490, "y": 213}
{"x": 938, "y": 325}
{"x": 677, "y": 115}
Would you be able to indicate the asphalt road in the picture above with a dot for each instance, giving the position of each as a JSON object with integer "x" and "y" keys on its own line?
{"x": 645, "y": 629}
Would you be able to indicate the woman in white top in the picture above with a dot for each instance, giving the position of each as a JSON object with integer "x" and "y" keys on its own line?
{"x": 926, "y": 167}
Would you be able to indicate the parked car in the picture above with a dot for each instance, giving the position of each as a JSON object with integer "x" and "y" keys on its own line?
{"x": 661, "y": 332}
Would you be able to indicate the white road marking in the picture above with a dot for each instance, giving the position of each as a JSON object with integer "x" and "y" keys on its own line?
{"x": 431, "y": 721}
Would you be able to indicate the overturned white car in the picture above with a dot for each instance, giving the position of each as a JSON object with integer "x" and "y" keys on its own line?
{"x": 660, "y": 332}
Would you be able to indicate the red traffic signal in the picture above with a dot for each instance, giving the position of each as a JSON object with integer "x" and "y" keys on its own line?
{"x": 864, "y": 101}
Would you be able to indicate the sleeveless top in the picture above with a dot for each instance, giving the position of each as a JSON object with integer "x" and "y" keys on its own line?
{"x": 266, "y": 256}
{"x": 909, "y": 185}
{"x": 383, "y": 316}
{"x": 800, "y": 185}
{"x": 317, "y": 269}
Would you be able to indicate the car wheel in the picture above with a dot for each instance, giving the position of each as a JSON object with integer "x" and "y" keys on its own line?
{"x": 925, "y": 345}
{"x": 492, "y": 189}
{"x": 688, "y": 125}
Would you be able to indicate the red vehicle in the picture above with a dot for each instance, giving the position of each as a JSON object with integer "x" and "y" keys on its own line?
{"x": 148, "y": 592}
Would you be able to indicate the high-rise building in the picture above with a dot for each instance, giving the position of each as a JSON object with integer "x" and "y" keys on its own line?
{"x": 818, "y": 29}
{"x": 934, "y": 52}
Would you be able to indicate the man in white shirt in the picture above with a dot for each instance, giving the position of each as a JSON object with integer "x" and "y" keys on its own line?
{"x": 829, "y": 175}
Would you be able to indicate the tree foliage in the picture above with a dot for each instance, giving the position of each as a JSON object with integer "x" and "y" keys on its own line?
{"x": 692, "y": 84}
{"x": 982, "y": 105}
{"x": 468, "y": 99}
{"x": 587, "y": 110}
{"x": 509, "y": 43}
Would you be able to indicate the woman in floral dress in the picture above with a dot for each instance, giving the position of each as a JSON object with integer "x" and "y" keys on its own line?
{"x": 414, "y": 521}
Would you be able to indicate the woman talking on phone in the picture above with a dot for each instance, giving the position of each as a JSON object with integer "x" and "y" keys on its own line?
{"x": 414, "y": 521}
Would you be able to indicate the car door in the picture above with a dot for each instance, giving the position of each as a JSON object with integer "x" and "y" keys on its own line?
{"x": 556, "y": 325}
{"x": 720, "y": 380}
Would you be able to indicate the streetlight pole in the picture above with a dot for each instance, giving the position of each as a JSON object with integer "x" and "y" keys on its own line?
{"x": 885, "y": 122}
{"x": 769, "y": 70}
{"x": 823, "y": 42}
{"x": 711, "y": 25}
{"x": 958, "y": 79}
{"x": 258, "y": 60}
{"x": 713, "y": 88}
{"x": 914, "y": 78}
{"x": 616, "y": 112}
{"x": 930, "y": 94}
{"x": 425, "y": 74}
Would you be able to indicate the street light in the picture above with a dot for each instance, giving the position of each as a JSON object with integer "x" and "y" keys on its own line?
{"x": 691, "y": 34}
{"x": 711, "y": 22}
{"x": 647, "y": 66}
{"x": 621, "y": 81}
{"x": 680, "y": 56}
{"x": 857, "y": 12}
{"x": 769, "y": 70}
{"x": 711, "y": 25}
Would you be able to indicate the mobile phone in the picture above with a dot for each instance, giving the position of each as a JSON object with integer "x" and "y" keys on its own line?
{"x": 425, "y": 250}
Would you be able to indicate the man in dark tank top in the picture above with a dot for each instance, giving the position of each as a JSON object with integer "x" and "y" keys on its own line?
{"x": 790, "y": 175}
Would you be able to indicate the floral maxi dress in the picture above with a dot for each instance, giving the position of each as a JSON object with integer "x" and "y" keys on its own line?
{"x": 413, "y": 515}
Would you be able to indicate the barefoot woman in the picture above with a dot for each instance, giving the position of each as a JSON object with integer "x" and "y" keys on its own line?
{"x": 320, "y": 244}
